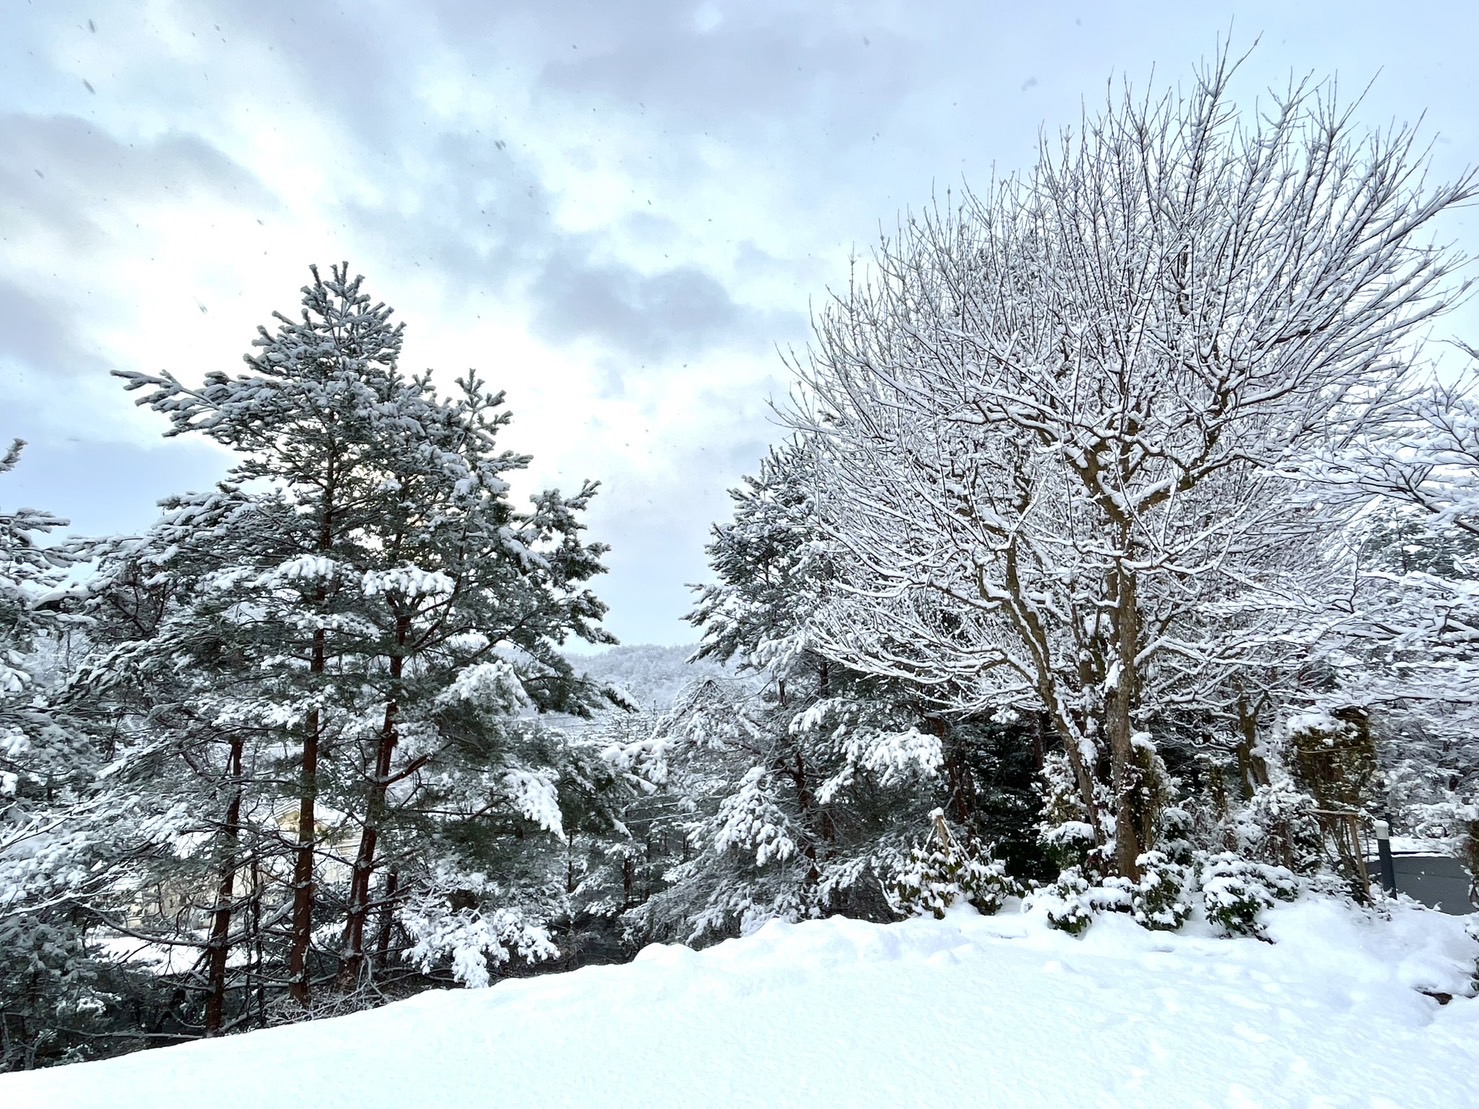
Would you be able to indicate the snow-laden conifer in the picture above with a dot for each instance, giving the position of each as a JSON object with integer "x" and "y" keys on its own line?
{"x": 49, "y": 813}
{"x": 380, "y": 615}
{"x": 806, "y": 790}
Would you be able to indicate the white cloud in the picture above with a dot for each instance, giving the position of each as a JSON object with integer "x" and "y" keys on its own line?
{"x": 614, "y": 211}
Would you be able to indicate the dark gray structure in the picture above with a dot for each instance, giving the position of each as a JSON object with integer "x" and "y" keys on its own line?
{"x": 1435, "y": 880}
{"x": 1438, "y": 881}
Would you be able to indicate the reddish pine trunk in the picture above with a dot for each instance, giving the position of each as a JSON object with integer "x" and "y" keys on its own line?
{"x": 302, "y": 930}
{"x": 364, "y": 860}
{"x": 219, "y": 943}
{"x": 387, "y": 919}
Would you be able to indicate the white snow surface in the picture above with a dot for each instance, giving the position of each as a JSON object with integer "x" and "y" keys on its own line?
{"x": 968, "y": 1011}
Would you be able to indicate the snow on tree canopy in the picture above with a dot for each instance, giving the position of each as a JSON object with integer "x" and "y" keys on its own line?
{"x": 1072, "y": 436}
{"x": 321, "y": 630}
{"x": 491, "y": 685}
{"x": 408, "y": 581}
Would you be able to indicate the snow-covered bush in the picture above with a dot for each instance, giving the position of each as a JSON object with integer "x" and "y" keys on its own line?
{"x": 1334, "y": 756}
{"x": 1071, "y": 901}
{"x": 1158, "y": 901}
{"x": 1279, "y": 826}
{"x": 1235, "y": 890}
{"x": 1067, "y": 902}
{"x": 942, "y": 872}
{"x": 1176, "y": 836}
{"x": 1064, "y": 830}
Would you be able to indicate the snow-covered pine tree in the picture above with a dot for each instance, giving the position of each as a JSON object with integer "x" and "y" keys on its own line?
{"x": 308, "y": 422}
{"x": 197, "y": 754}
{"x": 48, "y": 809}
{"x": 391, "y": 610}
{"x": 807, "y": 786}
{"x": 32, "y": 764}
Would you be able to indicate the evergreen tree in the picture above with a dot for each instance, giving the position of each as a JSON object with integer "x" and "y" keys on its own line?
{"x": 36, "y": 759}
{"x": 47, "y": 808}
{"x": 802, "y": 793}
{"x": 376, "y": 608}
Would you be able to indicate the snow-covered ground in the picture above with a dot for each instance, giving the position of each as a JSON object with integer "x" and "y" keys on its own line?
{"x": 962, "y": 1012}
{"x": 1412, "y": 845}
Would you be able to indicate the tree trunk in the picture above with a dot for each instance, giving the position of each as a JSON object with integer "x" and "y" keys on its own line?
{"x": 220, "y": 935}
{"x": 302, "y": 930}
{"x": 374, "y": 818}
{"x": 806, "y": 803}
{"x": 958, "y": 778}
{"x": 1072, "y": 731}
{"x": 1252, "y": 770}
{"x": 387, "y": 920}
{"x": 359, "y": 909}
{"x": 258, "y": 947}
{"x": 303, "y": 891}
{"x": 1130, "y": 840}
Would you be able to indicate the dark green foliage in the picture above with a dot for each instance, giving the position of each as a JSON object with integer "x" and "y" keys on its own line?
{"x": 1335, "y": 759}
{"x": 807, "y": 789}
{"x": 992, "y": 770}
{"x": 1235, "y": 890}
{"x": 1067, "y": 902}
{"x": 1159, "y": 901}
{"x": 1176, "y": 836}
{"x": 1280, "y": 826}
{"x": 1064, "y": 831}
{"x": 943, "y": 871}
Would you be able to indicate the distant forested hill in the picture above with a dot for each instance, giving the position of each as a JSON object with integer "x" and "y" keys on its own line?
{"x": 653, "y": 675}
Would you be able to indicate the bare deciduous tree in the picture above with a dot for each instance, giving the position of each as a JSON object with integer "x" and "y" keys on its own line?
{"x": 1063, "y": 424}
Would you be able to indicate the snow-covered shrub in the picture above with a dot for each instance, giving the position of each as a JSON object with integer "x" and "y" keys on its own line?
{"x": 1176, "y": 835}
{"x": 1158, "y": 901}
{"x": 1334, "y": 756}
{"x": 942, "y": 871}
{"x": 1235, "y": 890}
{"x": 1071, "y": 901}
{"x": 1067, "y": 902}
{"x": 1064, "y": 831}
{"x": 1279, "y": 826}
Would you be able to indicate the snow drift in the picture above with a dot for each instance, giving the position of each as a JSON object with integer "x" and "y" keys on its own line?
{"x": 969, "y": 1010}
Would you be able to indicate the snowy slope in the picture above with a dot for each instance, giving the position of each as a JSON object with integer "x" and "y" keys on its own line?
{"x": 963, "y": 1012}
{"x": 653, "y": 676}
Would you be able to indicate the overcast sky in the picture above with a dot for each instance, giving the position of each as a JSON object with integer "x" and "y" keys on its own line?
{"x": 617, "y": 210}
